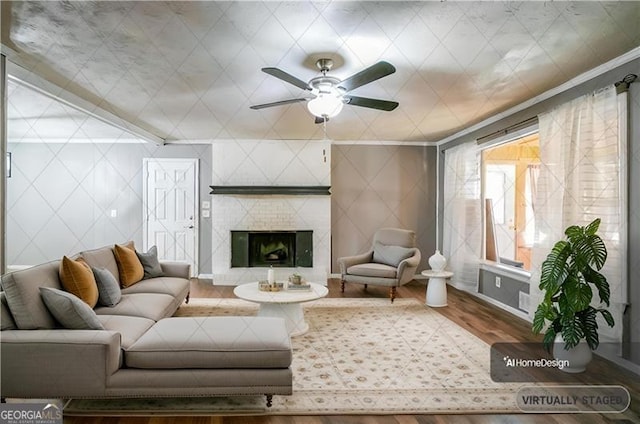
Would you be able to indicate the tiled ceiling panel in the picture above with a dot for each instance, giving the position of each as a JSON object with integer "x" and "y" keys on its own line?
{"x": 190, "y": 70}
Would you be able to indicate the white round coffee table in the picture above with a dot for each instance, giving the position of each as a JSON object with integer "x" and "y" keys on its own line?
{"x": 285, "y": 304}
{"x": 437, "y": 288}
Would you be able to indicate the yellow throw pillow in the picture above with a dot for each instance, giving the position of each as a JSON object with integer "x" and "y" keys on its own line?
{"x": 77, "y": 278}
{"x": 129, "y": 266}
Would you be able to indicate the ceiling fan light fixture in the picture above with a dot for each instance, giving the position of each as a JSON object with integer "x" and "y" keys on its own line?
{"x": 328, "y": 94}
{"x": 325, "y": 105}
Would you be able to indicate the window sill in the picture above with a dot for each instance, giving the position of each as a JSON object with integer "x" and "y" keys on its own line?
{"x": 506, "y": 271}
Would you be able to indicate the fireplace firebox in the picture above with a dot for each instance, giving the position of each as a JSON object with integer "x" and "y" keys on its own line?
{"x": 271, "y": 248}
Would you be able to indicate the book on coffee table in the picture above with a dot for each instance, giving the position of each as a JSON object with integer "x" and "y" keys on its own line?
{"x": 299, "y": 287}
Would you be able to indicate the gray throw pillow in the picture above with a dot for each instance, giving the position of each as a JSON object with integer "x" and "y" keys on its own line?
{"x": 6, "y": 319}
{"x": 109, "y": 293}
{"x": 69, "y": 310}
{"x": 390, "y": 255}
{"x": 150, "y": 263}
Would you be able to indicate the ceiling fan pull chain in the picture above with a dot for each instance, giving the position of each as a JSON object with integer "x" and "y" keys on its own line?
{"x": 324, "y": 128}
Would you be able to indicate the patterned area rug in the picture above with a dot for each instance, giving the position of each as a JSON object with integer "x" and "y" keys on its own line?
{"x": 360, "y": 356}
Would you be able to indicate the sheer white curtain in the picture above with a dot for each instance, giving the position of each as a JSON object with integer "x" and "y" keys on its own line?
{"x": 579, "y": 181}
{"x": 462, "y": 220}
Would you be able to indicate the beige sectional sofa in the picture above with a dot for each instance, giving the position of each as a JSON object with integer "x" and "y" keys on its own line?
{"x": 142, "y": 351}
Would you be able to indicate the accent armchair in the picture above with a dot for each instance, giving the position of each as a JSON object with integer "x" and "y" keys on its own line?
{"x": 391, "y": 262}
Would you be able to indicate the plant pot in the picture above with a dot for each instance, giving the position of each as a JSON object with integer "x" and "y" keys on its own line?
{"x": 295, "y": 279}
{"x": 578, "y": 357}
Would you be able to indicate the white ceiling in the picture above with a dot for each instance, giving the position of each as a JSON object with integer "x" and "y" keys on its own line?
{"x": 190, "y": 70}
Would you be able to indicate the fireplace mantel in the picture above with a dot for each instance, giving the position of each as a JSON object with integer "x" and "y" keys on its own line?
{"x": 266, "y": 190}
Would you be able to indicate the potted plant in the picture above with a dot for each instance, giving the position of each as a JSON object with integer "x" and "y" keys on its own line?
{"x": 295, "y": 278}
{"x": 568, "y": 274}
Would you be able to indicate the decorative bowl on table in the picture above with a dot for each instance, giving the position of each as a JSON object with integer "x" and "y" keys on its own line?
{"x": 270, "y": 287}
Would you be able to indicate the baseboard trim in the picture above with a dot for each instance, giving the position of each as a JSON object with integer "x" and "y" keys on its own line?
{"x": 418, "y": 277}
{"x": 337, "y": 276}
{"x": 498, "y": 304}
{"x": 12, "y": 268}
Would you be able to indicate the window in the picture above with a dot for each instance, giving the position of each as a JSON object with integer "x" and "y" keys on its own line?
{"x": 509, "y": 175}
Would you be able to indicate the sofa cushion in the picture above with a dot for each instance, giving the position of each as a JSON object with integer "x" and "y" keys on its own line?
{"x": 6, "y": 319}
{"x": 129, "y": 266}
{"x": 373, "y": 270}
{"x": 176, "y": 287}
{"x": 150, "y": 263}
{"x": 22, "y": 289}
{"x": 77, "y": 278}
{"x": 109, "y": 293}
{"x": 69, "y": 310}
{"x": 130, "y": 328}
{"x": 212, "y": 342}
{"x": 391, "y": 255}
{"x": 153, "y": 306}
{"x": 102, "y": 257}
{"x": 176, "y": 269}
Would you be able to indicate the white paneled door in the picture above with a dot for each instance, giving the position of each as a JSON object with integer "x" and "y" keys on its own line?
{"x": 170, "y": 206}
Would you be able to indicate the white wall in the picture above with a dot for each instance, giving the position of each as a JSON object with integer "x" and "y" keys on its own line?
{"x": 270, "y": 163}
{"x": 60, "y": 197}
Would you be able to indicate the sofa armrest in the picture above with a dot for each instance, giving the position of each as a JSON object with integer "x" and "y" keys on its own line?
{"x": 407, "y": 268}
{"x": 176, "y": 269}
{"x": 57, "y": 363}
{"x": 349, "y": 261}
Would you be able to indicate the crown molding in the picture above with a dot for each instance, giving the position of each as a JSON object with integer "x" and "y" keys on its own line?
{"x": 20, "y": 74}
{"x": 574, "y": 82}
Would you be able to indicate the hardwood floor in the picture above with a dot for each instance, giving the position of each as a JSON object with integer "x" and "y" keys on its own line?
{"x": 478, "y": 317}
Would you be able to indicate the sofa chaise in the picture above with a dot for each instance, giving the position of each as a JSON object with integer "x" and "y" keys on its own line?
{"x": 139, "y": 349}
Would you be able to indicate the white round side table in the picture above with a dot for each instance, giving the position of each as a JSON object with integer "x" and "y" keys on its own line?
{"x": 285, "y": 304}
{"x": 437, "y": 287}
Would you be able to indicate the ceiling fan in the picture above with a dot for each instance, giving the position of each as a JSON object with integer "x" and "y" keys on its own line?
{"x": 330, "y": 94}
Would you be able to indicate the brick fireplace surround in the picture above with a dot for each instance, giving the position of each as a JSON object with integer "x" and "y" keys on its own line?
{"x": 264, "y": 163}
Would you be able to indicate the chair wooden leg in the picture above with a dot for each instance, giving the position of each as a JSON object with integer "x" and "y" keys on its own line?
{"x": 342, "y": 286}
{"x": 392, "y": 293}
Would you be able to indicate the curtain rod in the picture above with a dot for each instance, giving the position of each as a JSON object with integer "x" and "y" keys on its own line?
{"x": 510, "y": 129}
{"x": 621, "y": 86}
{"x": 624, "y": 83}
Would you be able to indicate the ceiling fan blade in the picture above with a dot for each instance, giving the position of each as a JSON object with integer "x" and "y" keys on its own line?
{"x": 280, "y": 103}
{"x": 372, "y": 73}
{"x": 371, "y": 103}
{"x": 279, "y": 73}
{"x": 321, "y": 120}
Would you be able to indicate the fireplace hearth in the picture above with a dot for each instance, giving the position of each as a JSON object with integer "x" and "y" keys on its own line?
{"x": 271, "y": 248}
